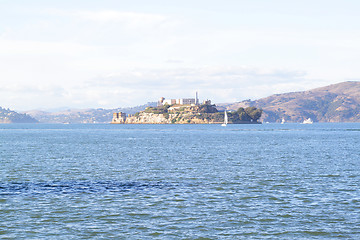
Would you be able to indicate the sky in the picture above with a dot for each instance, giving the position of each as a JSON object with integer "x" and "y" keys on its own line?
{"x": 117, "y": 53}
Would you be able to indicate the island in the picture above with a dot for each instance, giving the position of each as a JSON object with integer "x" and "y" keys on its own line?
{"x": 187, "y": 111}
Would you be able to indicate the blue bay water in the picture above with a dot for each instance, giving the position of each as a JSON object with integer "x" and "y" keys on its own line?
{"x": 268, "y": 181}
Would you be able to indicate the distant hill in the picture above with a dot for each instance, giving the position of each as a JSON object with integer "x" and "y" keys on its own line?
{"x": 8, "y": 116}
{"x": 99, "y": 115}
{"x": 334, "y": 103}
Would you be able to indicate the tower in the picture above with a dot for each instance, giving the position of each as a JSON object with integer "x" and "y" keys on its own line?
{"x": 161, "y": 101}
{"x": 196, "y": 99}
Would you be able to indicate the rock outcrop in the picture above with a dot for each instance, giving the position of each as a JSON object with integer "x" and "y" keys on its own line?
{"x": 153, "y": 118}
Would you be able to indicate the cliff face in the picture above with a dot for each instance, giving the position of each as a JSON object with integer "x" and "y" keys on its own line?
{"x": 153, "y": 118}
{"x": 143, "y": 118}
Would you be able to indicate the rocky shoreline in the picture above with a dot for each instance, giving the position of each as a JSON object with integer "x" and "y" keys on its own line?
{"x": 152, "y": 118}
{"x": 189, "y": 115}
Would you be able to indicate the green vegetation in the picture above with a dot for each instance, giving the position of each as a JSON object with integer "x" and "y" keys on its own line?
{"x": 249, "y": 114}
{"x": 203, "y": 114}
{"x": 205, "y": 108}
{"x": 158, "y": 110}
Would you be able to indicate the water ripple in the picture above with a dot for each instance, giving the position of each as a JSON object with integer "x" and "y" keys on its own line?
{"x": 71, "y": 187}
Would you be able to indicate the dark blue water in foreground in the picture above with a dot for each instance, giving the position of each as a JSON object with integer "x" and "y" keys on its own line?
{"x": 267, "y": 181}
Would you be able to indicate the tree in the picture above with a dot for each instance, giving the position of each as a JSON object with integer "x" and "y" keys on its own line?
{"x": 240, "y": 110}
{"x": 243, "y": 116}
{"x": 253, "y": 113}
{"x": 205, "y": 108}
{"x": 249, "y": 114}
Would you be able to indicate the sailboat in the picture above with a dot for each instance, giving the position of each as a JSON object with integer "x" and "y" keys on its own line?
{"x": 225, "y": 120}
{"x": 308, "y": 121}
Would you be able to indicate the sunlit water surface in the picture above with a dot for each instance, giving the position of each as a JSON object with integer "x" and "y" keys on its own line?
{"x": 274, "y": 181}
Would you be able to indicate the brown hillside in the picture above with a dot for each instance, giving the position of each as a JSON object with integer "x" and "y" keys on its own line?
{"x": 334, "y": 103}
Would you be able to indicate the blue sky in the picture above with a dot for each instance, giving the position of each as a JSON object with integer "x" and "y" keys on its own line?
{"x": 90, "y": 54}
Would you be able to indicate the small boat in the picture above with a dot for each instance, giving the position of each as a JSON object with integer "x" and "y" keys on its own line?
{"x": 283, "y": 121}
{"x": 308, "y": 121}
{"x": 225, "y": 120}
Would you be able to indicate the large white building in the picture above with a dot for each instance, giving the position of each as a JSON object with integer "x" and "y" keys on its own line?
{"x": 180, "y": 101}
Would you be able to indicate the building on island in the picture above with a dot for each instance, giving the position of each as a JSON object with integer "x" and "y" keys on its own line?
{"x": 168, "y": 114}
{"x": 119, "y": 117}
{"x": 181, "y": 101}
{"x": 207, "y": 102}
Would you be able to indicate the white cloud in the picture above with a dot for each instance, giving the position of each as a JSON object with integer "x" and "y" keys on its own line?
{"x": 130, "y": 88}
{"x": 133, "y": 18}
{"x": 219, "y": 83}
{"x": 41, "y": 48}
{"x": 121, "y": 56}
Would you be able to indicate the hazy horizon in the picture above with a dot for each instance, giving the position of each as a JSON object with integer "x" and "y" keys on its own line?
{"x": 111, "y": 54}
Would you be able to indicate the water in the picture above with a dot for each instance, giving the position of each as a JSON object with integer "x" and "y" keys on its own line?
{"x": 267, "y": 181}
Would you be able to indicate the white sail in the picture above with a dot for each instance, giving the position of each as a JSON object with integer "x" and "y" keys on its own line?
{"x": 225, "y": 120}
{"x": 308, "y": 121}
